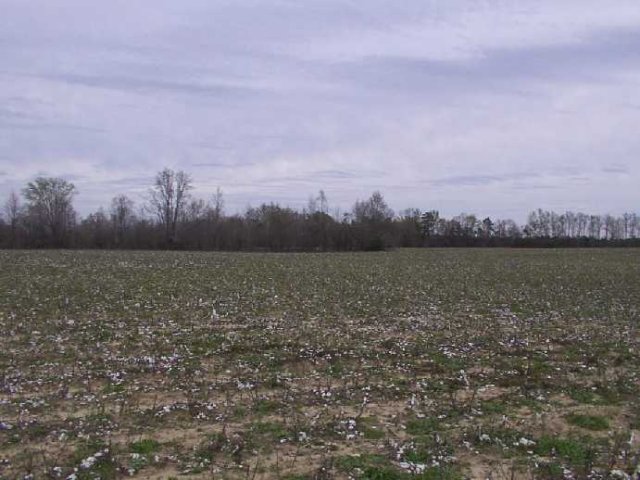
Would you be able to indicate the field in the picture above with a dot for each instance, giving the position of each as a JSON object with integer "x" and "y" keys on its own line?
{"x": 434, "y": 364}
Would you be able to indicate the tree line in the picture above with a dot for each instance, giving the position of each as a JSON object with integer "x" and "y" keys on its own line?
{"x": 43, "y": 216}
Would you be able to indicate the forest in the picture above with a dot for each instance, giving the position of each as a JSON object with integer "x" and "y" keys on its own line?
{"x": 43, "y": 216}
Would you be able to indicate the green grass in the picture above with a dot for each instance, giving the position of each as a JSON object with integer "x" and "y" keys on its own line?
{"x": 493, "y": 407}
{"x": 583, "y": 395}
{"x": 265, "y": 407}
{"x": 353, "y": 462}
{"x": 576, "y": 451}
{"x": 146, "y": 446}
{"x": 422, "y": 426}
{"x": 589, "y": 422}
{"x": 377, "y": 467}
{"x": 273, "y": 429}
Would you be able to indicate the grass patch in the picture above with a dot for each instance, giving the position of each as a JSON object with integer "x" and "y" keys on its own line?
{"x": 589, "y": 422}
{"x": 576, "y": 451}
{"x": 146, "y": 446}
{"x": 422, "y": 426}
{"x": 273, "y": 429}
{"x": 266, "y": 407}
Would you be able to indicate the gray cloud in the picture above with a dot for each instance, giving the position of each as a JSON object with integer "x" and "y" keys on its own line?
{"x": 616, "y": 169}
{"x": 473, "y": 180}
{"x": 492, "y": 106}
{"x": 149, "y": 86}
{"x": 507, "y": 70}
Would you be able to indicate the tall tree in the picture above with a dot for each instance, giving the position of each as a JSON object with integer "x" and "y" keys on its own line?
{"x": 429, "y": 222}
{"x": 634, "y": 225}
{"x": 582, "y": 220}
{"x": 217, "y": 204}
{"x": 372, "y": 220}
{"x": 627, "y": 223}
{"x": 49, "y": 205}
{"x": 595, "y": 225}
{"x": 122, "y": 217}
{"x": 374, "y": 210}
{"x": 95, "y": 230}
{"x": 323, "y": 203}
{"x": 487, "y": 227}
{"x": 168, "y": 198}
{"x": 468, "y": 224}
{"x": 12, "y": 211}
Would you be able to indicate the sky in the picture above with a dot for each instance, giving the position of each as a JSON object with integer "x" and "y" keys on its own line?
{"x": 495, "y": 107}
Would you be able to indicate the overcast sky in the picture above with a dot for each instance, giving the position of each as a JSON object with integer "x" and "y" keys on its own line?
{"x": 487, "y": 106}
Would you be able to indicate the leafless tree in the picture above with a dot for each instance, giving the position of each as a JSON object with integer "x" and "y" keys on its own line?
{"x": 582, "y": 220}
{"x": 217, "y": 204}
{"x": 168, "y": 198}
{"x": 609, "y": 223}
{"x": 468, "y": 224}
{"x": 557, "y": 225}
{"x": 429, "y": 222}
{"x": 595, "y": 225}
{"x": 195, "y": 211}
{"x": 122, "y": 217}
{"x": 627, "y": 220}
{"x": 487, "y": 228}
{"x": 49, "y": 220}
{"x": 12, "y": 211}
{"x": 571, "y": 222}
{"x": 374, "y": 210}
{"x": 634, "y": 227}
{"x": 96, "y": 229}
{"x": 317, "y": 204}
{"x": 312, "y": 205}
{"x": 49, "y": 205}
{"x": 323, "y": 202}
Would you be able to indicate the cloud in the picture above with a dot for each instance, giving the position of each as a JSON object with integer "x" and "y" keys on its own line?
{"x": 616, "y": 169}
{"x": 515, "y": 72}
{"x": 148, "y": 86}
{"x": 468, "y": 180}
{"x": 498, "y": 107}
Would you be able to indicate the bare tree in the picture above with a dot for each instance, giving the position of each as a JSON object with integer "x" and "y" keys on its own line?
{"x": 609, "y": 224}
{"x": 467, "y": 225}
{"x": 217, "y": 207}
{"x": 571, "y": 221}
{"x": 582, "y": 220}
{"x": 487, "y": 227}
{"x": 627, "y": 220}
{"x": 595, "y": 225}
{"x": 513, "y": 230}
{"x": 374, "y": 210}
{"x": 323, "y": 202}
{"x": 96, "y": 229}
{"x": 48, "y": 219}
{"x": 318, "y": 204}
{"x": 168, "y": 198}
{"x": 12, "y": 211}
{"x": 507, "y": 228}
{"x": 533, "y": 227}
{"x": 312, "y": 206}
{"x": 50, "y": 206}
{"x": 196, "y": 211}
{"x": 372, "y": 221}
{"x": 634, "y": 225}
{"x": 122, "y": 217}
{"x": 429, "y": 222}
{"x": 557, "y": 225}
